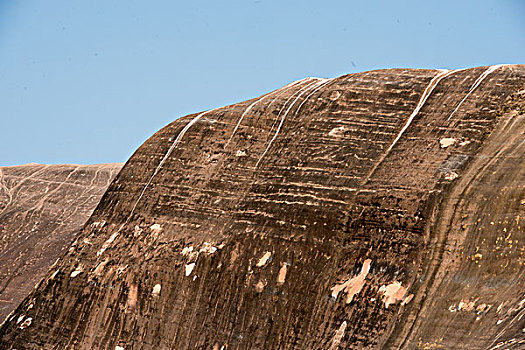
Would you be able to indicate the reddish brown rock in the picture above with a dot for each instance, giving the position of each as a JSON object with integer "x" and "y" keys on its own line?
{"x": 42, "y": 209}
{"x": 393, "y": 199}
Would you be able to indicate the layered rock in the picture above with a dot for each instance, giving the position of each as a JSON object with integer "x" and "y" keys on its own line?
{"x": 375, "y": 210}
{"x": 42, "y": 209}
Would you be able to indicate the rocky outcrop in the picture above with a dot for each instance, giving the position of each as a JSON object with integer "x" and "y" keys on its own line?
{"x": 42, "y": 209}
{"x": 378, "y": 210}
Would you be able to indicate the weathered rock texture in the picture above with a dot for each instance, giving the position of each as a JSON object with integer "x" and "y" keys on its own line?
{"x": 376, "y": 210}
{"x": 42, "y": 209}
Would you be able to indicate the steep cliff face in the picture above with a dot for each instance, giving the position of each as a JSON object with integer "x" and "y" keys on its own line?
{"x": 42, "y": 209}
{"x": 375, "y": 210}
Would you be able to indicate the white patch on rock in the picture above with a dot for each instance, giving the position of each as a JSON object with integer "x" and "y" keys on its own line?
{"x": 451, "y": 176}
{"x": 26, "y": 323}
{"x": 447, "y": 141}
{"x": 337, "y": 132}
{"x": 282, "y": 274}
{"x": 392, "y": 293}
{"x": 187, "y": 250}
{"x": 55, "y": 274}
{"x": 77, "y": 271}
{"x": 137, "y": 231}
{"x": 259, "y": 287}
{"x": 98, "y": 224}
{"x": 155, "y": 230}
{"x": 334, "y": 95}
{"x": 207, "y": 248}
{"x": 156, "y": 290}
{"x": 408, "y": 299}
{"x": 99, "y": 268}
{"x": 240, "y": 153}
{"x": 354, "y": 285}
{"x": 107, "y": 243}
{"x": 262, "y": 261}
{"x": 20, "y": 318}
{"x": 189, "y": 268}
{"x": 119, "y": 348}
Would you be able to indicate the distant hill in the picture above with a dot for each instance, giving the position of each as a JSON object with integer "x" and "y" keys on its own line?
{"x": 42, "y": 210}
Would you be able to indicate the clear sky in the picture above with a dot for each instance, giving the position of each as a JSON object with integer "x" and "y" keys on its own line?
{"x": 86, "y": 81}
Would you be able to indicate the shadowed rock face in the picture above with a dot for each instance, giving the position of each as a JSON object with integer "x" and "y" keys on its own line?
{"x": 379, "y": 210}
{"x": 42, "y": 209}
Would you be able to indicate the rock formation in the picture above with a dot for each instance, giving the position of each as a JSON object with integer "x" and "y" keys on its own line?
{"x": 379, "y": 210}
{"x": 42, "y": 209}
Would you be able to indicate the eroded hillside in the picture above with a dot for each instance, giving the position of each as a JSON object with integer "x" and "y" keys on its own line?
{"x": 377, "y": 210}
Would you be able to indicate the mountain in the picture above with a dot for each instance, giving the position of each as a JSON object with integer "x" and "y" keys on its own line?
{"x": 42, "y": 209}
{"x": 379, "y": 210}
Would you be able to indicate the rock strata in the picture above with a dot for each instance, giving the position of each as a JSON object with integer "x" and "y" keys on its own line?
{"x": 377, "y": 210}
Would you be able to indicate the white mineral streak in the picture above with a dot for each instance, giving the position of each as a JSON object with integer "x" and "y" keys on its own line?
{"x": 55, "y": 274}
{"x": 253, "y": 104}
{"x": 475, "y": 85}
{"x": 262, "y": 261}
{"x": 20, "y": 318}
{"x": 354, "y": 285}
{"x": 189, "y": 268}
{"x": 299, "y": 94}
{"x": 392, "y": 293}
{"x": 325, "y": 83}
{"x": 428, "y": 91}
{"x": 163, "y": 160}
{"x": 447, "y": 141}
{"x": 339, "y": 334}
{"x": 156, "y": 290}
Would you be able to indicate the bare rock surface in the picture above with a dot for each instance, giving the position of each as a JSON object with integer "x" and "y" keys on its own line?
{"x": 42, "y": 209}
{"x": 377, "y": 210}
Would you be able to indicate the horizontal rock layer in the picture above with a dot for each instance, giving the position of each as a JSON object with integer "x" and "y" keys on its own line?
{"x": 42, "y": 209}
{"x": 375, "y": 210}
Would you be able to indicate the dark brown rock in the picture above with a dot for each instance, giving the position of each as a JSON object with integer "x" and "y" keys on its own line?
{"x": 376, "y": 210}
{"x": 42, "y": 209}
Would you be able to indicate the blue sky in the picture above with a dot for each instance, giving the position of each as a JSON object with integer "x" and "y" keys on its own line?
{"x": 89, "y": 81}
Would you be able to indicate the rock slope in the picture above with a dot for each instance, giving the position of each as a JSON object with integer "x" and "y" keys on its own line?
{"x": 42, "y": 209}
{"x": 377, "y": 210}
